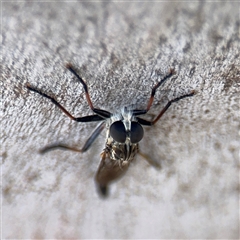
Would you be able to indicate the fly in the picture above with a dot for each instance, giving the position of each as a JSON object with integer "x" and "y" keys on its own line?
{"x": 124, "y": 132}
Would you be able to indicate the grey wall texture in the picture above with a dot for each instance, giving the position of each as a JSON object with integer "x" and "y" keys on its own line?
{"x": 121, "y": 49}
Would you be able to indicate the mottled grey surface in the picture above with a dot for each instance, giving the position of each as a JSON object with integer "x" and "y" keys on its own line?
{"x": 121, "y": 49}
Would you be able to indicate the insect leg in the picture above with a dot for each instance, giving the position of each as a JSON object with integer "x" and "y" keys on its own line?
{"x": 144, "y": 122}
{"x": 149, "y": 160}
{"x": 137, "y": 112}
{"x": 93, "y": 137}
{"x": 86, "y": 146}
{"x": 172, "y": 72}
{"x": 90, "y": 118}
{"x": 150, "y": 123}
{"x": 100, "y": 112}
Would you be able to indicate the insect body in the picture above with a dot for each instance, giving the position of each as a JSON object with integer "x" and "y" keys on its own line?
{"x": 123, "y": 135}
{"x": 124, "y": 132}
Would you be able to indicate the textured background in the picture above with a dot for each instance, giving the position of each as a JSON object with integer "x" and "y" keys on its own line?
{"x": 121, "y": 49}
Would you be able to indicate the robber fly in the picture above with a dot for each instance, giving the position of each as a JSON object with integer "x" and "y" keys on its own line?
{"x": 124, "y": 132}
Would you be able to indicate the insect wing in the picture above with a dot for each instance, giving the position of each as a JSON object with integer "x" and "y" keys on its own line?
{"x": 108, "y": 171}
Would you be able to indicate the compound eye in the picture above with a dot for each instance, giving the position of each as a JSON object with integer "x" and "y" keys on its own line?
{"x": 136, "y": 132}
{"x": 118, "y": 132}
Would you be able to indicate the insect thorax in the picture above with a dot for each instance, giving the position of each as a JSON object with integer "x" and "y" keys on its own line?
{"x": 121, "y": 152}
